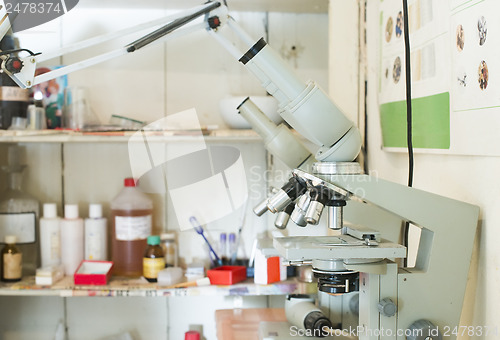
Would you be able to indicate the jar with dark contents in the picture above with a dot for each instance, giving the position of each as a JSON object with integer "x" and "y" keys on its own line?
{"x": 154, "y": 259}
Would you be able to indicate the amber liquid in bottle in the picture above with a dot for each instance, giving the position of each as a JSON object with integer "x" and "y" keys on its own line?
{"x": 127, "y": 255}
{"x": 11, "y": 265}
{"x": 156, "y": 257}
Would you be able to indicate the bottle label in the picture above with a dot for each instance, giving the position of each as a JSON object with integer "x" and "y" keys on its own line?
{"x": 12, "y": 266}
{"x": 14, "y": 94}
{"x": 152, "y": 267}
{"x": 21, "y": 224}
{"x": 129, "y": 228}
{"x": 93, "y": 243}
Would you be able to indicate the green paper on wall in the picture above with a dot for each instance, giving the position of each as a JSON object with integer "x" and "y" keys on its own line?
{"x": 431, "y": 122}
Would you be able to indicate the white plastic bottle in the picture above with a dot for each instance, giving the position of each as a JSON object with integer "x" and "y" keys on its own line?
{"x": 72, "y": 238}
{"x": 96, "y": 234}
{"x": 50, "y": 236}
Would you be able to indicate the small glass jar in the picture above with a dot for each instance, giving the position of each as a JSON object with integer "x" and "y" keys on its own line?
{"x": 169, "y": 245}
{"x": 154, "y": 260}
{"x": 12, "y": 260}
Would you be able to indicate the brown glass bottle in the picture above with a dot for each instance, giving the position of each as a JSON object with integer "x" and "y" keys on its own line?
{"x": 154, "y": 259}
{"x": 12, "y": 261}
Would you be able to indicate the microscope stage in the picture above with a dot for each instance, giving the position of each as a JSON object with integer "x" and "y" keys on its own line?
{"x": 303, "y": 248}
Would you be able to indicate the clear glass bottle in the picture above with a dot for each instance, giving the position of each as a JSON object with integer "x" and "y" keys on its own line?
{"x": 169, "y": 247}
{"x": 15, "y": 200}
{"x": 12, "y": 260}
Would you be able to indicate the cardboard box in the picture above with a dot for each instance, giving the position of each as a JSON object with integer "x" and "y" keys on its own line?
{"x": 93, "y": 273}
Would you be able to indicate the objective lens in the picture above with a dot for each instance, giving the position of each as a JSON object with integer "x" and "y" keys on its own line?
{"x": 278, "y": 201}
{"x": 283, "y": 217}
{"x": 336, "y": 214}
{"x": 261, "y": 208}
{"x": 314, "y": 211}
{"x": 286, "y": 195}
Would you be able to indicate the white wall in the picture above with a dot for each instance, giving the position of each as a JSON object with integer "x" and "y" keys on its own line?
{"x": 471, "y": 178}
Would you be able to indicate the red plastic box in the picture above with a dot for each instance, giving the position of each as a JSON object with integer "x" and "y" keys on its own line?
{"x": 227, "y": 275}
{"x": 93, "y": 273}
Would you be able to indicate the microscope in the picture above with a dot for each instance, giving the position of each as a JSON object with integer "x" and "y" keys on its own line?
{"x": 365, "y": 291}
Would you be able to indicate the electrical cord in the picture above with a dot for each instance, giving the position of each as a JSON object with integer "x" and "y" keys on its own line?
{"x": 409, "y": 125}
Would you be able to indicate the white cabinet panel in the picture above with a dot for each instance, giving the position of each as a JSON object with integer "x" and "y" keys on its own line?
{"x": 100, "y": 317}
{"x": 29, "y": 317}
{"x": 198, "y": 313}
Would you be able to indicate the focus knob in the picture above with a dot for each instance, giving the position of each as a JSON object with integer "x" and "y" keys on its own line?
{"x": 387, "y": 308}
{"x": 423, "y": 330}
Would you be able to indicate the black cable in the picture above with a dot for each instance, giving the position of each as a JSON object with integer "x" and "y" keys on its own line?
{"x": 409, "y": 125}
{"x": 7, "y": 52}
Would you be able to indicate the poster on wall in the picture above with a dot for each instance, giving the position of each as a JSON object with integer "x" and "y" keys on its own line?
{"x": 456, "y": 106}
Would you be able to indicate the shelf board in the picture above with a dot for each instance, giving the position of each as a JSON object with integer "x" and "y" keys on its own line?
{"x": 118, "y": 287}
{"x": 61, "y": 136}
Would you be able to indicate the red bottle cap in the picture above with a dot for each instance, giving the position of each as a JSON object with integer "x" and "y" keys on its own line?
{"x": 129, "y": 182}
{"x": 192, "y": 335}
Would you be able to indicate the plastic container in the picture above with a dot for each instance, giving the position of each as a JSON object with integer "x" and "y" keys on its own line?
{"x": 169, "y": 246}
{"x": 170, "y": 276}
{"x": 72, "y": 239}
{"x": 50, "y": 236}
{"x": 96, "y": 234}
{"x": 12, "y": 260}
{"x": 192, "y": 335}
{"x": 131, "y": 224}
{"x": 227, "y": 275}
{"x": 154, "y": 259}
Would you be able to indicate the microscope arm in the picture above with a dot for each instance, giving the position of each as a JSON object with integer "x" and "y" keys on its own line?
{"x": 448, "y": 230}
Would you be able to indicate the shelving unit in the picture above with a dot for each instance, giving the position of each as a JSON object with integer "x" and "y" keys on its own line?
{"x": 121, "y": 287}
{"x": 68, "y": 136}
